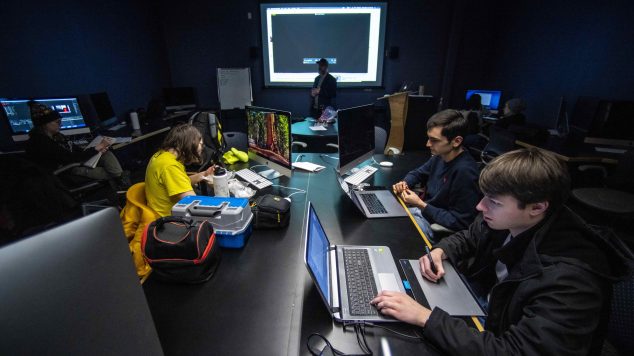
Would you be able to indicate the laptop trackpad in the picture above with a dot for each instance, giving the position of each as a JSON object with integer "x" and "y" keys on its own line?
{"x": 388, "y": 282}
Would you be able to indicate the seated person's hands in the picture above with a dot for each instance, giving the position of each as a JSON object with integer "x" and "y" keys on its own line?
{"x": 437, "y": 256}
{"x": 402, "y": 307}
{"x": 103, "y": 145}
{"x": 196, "y": 178}
{"x": 411, "y": 198}
{"x": 399, "y": 187}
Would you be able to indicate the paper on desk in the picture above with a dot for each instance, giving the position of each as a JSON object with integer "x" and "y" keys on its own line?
{"x": 317, "y": 128}
{"x": 307, "y": 166}
{"x": 112, "y": 140}
{"x": 92, "y": 161}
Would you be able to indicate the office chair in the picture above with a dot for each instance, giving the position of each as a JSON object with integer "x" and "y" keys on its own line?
{"x": 77, "y": 186}
{"x": 500, "y": 141}
{"x": 380, "y": 139}
{"x": 237, "y": 140}
{"x": 615, "y": 196}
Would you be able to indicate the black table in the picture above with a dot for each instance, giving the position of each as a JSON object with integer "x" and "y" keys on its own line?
{"x": 261, "y": 300}
{"x": 317, "y": 141}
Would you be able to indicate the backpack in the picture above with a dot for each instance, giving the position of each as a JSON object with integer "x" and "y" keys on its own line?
{"x": 181, "y": 250}
{"x": 210, "y": 128}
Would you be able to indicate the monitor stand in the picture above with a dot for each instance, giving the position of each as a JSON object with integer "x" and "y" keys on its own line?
{"x": 266, "y": 172}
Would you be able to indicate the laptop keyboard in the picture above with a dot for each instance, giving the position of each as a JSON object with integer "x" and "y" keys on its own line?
{"x": 373, "y": 204}
{"x": 360, "y": 281}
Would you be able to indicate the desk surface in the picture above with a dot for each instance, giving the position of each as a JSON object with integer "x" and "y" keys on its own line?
{"x": 570, "y": 150}
{"x": 261, "y": 300}
{"x": 302, "y": 129}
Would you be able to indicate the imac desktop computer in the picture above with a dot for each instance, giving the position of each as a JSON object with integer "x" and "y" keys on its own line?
{"x": 356, "y": 136}
{"x": 490, "y": 99}
{"x": 19, "y": 115}
{"x": 269, "y": 137}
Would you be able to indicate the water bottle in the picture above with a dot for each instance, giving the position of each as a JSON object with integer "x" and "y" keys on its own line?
{"x": 221, "y": 182}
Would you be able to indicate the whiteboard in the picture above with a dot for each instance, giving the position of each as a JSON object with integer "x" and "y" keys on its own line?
{"x": 234, "y": 88}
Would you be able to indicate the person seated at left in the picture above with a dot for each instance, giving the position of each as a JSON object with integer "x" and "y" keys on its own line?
{"x": 512, "y": 114}
{"x": 51, "y": 149}
{"x": 166, "y": 181}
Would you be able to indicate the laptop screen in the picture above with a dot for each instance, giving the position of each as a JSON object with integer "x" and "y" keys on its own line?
{"x": 317, "y": 254}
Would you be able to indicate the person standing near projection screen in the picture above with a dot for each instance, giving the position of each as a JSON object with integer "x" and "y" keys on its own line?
{"x": 324, "y": 90}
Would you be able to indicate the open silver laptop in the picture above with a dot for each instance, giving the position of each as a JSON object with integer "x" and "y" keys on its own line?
{"x": 379, "y": 203}
{"x": 348, "y": 277}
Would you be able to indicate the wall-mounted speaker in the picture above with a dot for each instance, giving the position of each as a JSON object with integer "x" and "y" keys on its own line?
{"x": 392, "y": 52}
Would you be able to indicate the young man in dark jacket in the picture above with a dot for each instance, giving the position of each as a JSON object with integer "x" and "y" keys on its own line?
{"x": 545, "y": 274}
{"x": 450, "y": 177}
{"x": 324, "y": 90}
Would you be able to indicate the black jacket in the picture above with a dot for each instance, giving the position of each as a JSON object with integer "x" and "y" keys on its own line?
{"x": 327, "y": 92}
{"x": 51, "y": 154}
{"x": 451, "y": 190}
{"x": 506, "y": 121}
{"x": 555, "y": 300}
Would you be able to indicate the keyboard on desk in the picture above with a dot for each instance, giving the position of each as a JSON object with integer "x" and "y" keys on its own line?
{"x": 363, "y": 174}
{"x": 373, "y": 204}
{"x": 359, "y": 281}
{"x": 253, "y": 178}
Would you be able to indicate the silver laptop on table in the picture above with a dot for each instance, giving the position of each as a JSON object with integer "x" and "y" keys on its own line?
{"x": 348, "y": 277}
{"x": 373, "y": 203}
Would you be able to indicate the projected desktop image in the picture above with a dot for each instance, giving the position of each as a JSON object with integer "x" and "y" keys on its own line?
{"x": 269, "y": 136}
{"x": 295, "y": 36}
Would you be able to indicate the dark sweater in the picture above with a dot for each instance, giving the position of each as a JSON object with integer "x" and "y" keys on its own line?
{"x": 327, "y": 91}
{"x": 451, "y": 190}
{"x": 51, "y": 154}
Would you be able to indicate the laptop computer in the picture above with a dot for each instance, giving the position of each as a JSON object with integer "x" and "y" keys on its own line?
{"x": 348, "y": 277}
{"x": 75, "y": 290}
{"x": 373, "y": 203}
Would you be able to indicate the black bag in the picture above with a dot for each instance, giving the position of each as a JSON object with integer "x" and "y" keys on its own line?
{"x": 270, "y": 212}
{"x": 210, "y": 128}
{"x": 181, "y": 250}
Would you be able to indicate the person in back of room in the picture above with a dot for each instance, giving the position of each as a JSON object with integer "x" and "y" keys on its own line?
{"x": 473, "y": 113}
{"x": 450, "y": 177}
{"x": 544, "y": 273}
{"x": 52, "y": 149}
{"x": 324, "y": 90}
{"x": 166, "y": 181}
{"x": 512, "y": 114}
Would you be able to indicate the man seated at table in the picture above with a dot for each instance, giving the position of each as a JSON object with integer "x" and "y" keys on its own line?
{"x": 450, "y": 177}
{"x": 545, "y": 275}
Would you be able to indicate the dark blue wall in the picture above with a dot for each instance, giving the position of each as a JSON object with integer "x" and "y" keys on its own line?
{"x": 52, "y": 48}
{"x": 204, "y": 35}
{"x": 547, "y": 49}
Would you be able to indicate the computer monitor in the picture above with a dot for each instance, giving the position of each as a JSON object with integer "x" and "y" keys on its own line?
{"x": 269, "y": 136}
{"x": 73, "y": 290}
{"x": 182, "y": 98}
{"x": 356, "y": 136}
{"x": 490, "y": 99}
{"x": 18, "y": 114}
{"x": 103, "y": 109}
{"x": 612, "y": 124}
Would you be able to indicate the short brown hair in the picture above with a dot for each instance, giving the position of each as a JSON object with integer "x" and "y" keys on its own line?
{"x": 185, "y": 140}
{"x": 529, "y": 175}
{"x": 453, "y": 123}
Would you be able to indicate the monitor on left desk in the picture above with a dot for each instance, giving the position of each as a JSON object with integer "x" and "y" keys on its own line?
{"x": 18, "y": 114}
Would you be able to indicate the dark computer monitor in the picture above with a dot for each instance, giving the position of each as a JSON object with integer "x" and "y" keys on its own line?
{"x": 103, "y": 109}
{"x": 269, "y": 136}
{"x": 612, "y": 124}
{"x": 181, "y": 98}
{"x": 73, "y": 290}
{"x": 356, "y": 136}
{"x": 490, "y": 98}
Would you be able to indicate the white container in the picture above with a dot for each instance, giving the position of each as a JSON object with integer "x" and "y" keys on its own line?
{"x": 221, "y": 183}
{"x": 134, "y": 120}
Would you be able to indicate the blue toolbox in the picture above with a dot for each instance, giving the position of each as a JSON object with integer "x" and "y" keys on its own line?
{"x": 231, "y": 217}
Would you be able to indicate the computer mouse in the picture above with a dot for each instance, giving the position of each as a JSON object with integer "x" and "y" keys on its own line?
{"x": 386, "y": 164}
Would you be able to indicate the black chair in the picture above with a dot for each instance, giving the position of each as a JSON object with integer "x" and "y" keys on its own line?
{"x": 380, "y": 139}
{"x": 500, "y": 141}
{"x": 237, "y": 140}
{"x": 615, "y": 195}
